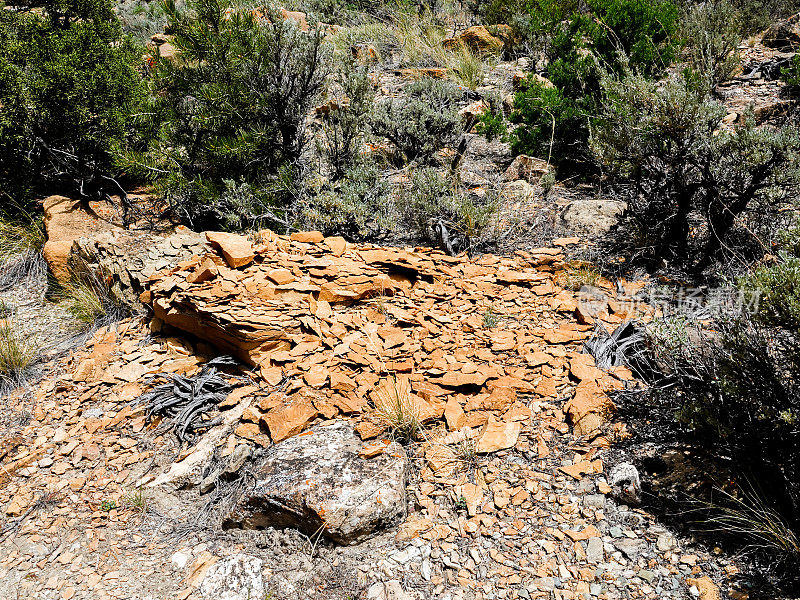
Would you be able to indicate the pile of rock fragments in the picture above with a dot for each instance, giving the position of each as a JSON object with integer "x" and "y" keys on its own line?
{"x": 404, "y": 424}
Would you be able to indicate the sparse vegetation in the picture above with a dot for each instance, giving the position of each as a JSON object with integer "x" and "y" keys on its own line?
{"x": 578, "y": 275}
{"x": 136, "y": 500}
{"x": 395, "y": 408}
{"x": 421, "y": 124}
{"x": 91, "y": 302}
{"x": 18, "y": 352}
{"x": 441, "y": 213}
{"x": 22, "y": 238}
{"x": 713, "y": 32}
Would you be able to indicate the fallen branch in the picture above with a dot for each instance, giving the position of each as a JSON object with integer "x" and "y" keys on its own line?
{"x": 183, "y": 401}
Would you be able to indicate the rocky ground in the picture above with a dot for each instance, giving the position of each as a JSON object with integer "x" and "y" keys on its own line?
{"x": 301, "y": 479}
{"x": 504, "y": 493}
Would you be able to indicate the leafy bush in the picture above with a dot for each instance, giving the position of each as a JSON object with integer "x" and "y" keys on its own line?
{"x": 713, "y": 32}
{"x": 232, "y": 106}
{"x": 660, "y": 141}
{"x": 344, "y": 126}
{"x": 610, "y": 35}
{"x": 423, "y": 122}
{"x": 791, "y": 74}
{"x": 546, "y": 115}
{"x": 491, "y": 123}
{"x": 776, "y": 289}
{"x": 68, "y": 85}
{"x": 359, "y": 207}
{"x": 435, "y": 210}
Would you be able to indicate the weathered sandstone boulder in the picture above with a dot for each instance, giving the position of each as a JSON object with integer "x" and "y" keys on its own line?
{"x": 66, "y": 220}
{"x": 478, "y": 39}
{"x": 592, "y": 217}
{"x": 318, "y": 482}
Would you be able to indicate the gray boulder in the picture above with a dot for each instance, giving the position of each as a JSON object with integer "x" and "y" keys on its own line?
{"x": 625, "y": 484}
{"x": 592, "y": 217}
{"x": 318, "y": 483}
{"x": 237, "y": 577}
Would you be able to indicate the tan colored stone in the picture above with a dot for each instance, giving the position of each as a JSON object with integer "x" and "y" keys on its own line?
{"x": 307, "y": 237}
{"x": 236, "y": 249}
{"x": 477, "y": 38}
{"x": 289, "y": 419}
{"x": 706, "y": 586}
{"x": 498, "y": 435}
{"x": 65, "y": 221}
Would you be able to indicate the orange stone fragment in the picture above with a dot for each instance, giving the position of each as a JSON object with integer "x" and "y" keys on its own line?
{"x": 289, "y": 419}
{"x": 236, "y": 249}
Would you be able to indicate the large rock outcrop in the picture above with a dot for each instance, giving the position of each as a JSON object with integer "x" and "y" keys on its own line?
{"x": 66, "y": 220}
{"x": 83, "y": 238}
{"x": 125, "y": 260}
{"x": 318, "y": 482}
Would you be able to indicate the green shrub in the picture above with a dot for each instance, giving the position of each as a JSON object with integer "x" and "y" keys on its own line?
{"x": 775, "y": 290}
{"x": 360, "y": 206}
{"x": 422, "y": 123}
{"x": 232, "y": 106}
{"x": 791, "y": 74}
{"x": 546, "y": 115}
{"x": 345, "y": 125}
{"x": 492, "y": 124}
{"x": 68, "y": 85}
{"x": 660, "y": 141}
{"x": 435, "y": 210}
{"x": 609, "y": 36}
{"x": 713, "y": 32}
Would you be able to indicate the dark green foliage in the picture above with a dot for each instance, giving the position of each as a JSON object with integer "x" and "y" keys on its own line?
{"x": 660, "y": 141}
{"x": 492, "y": 124}
{"x": 791, "y": 74}
{"x": 232, "y": 106}
{"x": 421, "y": 123}
{"x": 547, "y": 116}
{"x": 579, "y": 46}
{"x": 68, "y": 84}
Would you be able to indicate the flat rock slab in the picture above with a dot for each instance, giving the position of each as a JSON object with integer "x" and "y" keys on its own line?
{"x": 317, "y": 482}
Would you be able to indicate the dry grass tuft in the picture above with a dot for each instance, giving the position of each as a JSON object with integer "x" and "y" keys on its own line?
{"x": 18, "y": 355}
{"x": 21, "y": 243}
{"x": 750, "y": 518}
{"x": 92, "y": 302}
{"x": 395, "y": 407}
{"x": 578, "y": 275}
